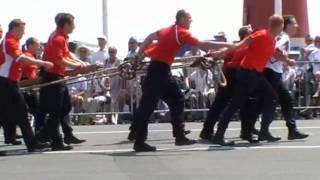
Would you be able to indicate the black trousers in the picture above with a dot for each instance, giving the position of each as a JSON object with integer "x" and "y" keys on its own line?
{"x": 248, "y": 82}
{"x": 54, "y": 101}
{"x": 14, "y": 111}
{"x": 220, "y": 102}
{"x": 159, "y": 84}
{"x": 284, "y": 97}
{"x": 32, "y": 101}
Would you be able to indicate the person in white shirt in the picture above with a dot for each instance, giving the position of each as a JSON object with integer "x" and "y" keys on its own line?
{"x": 116, "y": 92}
{"x": 288, "y": 77}
{"x": 203, "y": 82}
{"x": 101, "y": 55}
{"x": 132, "y": 47}
{"x": 77, "y": 93}
{"x": 314, "y": 55}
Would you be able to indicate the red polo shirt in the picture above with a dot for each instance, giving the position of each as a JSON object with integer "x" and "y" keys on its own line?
{"x": 259, "y": 51}
{"x": 29, "y": 71}
{"x": 234, "y": 58}
{"x": 170, "y": 40}
{"x": 10, "y": 54}
{"x": 55, "y": 50}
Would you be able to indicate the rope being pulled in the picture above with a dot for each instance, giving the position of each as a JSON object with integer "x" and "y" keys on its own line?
{"x": 128, "y": 70}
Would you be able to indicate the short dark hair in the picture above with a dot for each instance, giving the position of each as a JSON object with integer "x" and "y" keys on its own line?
{"x": 63, "y": 18}
{"x": 15, "y": 23}
{"x": 243, "y": 32}
{"x": 31, "y": 41}
{"x": 181, "y": 14}
{"x": 288, "y": 19}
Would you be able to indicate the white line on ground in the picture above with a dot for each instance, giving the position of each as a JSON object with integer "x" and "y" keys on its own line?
{"x": 202, "y": 148}
{"x": 169, "y": 130}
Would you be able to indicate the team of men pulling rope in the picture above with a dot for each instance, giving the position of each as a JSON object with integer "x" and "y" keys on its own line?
{"x": 250, "y": 81}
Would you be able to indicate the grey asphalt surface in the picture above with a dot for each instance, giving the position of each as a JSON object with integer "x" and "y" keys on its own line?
{"x": 108, "y": 155}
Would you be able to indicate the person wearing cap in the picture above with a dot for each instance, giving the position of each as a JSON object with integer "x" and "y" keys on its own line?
{"x": 83, "y": 53}
{"x": 220, "y": 36}
{"x": 13, "y": 106}
{"x": 101, "y": 55}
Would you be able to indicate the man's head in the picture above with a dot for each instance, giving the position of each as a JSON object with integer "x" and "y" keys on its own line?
{"x": 17, "y": 28}
{"x": 112, "y": 53}
{"x": 290, "y": 25}
{"x": 183, "y": 18}
{"x": 245, "y": 31}
{"x": 102, "y": 41}
{"x": 65, "y": 22}
{"x": 33, "y": 45}
{"x": 1, "y": 32}
{"x": 220, "y": 37}
{"x": 83, "y": 52}
{"x": 276, "y": 24}
{"x": 194, "y": 50}
{"x": 308, "y": 39}
{"x": 132, "y": 44}
{"x": 317, "y": 41}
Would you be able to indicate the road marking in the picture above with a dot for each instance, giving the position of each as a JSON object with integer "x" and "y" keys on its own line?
{"x": 202, "y": 148}
{"x": 169, "y": 130}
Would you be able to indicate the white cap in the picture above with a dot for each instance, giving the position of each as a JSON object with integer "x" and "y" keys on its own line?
{"x": 102, "y": 37}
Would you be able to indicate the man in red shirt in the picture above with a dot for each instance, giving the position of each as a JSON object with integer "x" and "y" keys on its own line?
{"x": 159, "y": 83}
{"x": 55, "y": 99}
{"x": 261, "y": 47}
{"x": 13, "y": 106}
{"x": 231, "y": 64}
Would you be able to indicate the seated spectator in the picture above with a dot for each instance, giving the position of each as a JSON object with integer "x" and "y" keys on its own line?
{"x": 117, "y": 93}
{"x": 289, "y": 77}
{"x": 202, "y": 82}
{"x": 96, "y": 97}
{"x": 101, "y": 55}
{"x": 83, "y": 53}
{"x": 77, "y": 93}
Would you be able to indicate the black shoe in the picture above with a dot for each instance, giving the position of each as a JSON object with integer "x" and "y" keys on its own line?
{"x": 205, "y": 135}
{"x": 255, "y": 131}
{"x": 73, "y": 140}
{"x": 184, "y": 141}
{"x": 131, "y": 136}
{"x": 18, "y": 136}
{"x": 222, "y": 142}
{"x": 250, "y": 138}
{"x": 187, "y": 132}
{"x": 297, "y": 135}
{"x": 266, "y": 136}
{"x": 13, "y": 142}
{"x": 144, "y": 147}
{"x": 61, "y": 148}
{"x": 42, "y": 138}
{"x": 39, "y": 146}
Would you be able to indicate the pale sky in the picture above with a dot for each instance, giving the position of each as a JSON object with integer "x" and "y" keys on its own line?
{"x": 132, "y": 18}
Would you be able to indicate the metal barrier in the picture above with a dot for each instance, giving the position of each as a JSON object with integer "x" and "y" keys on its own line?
{"x": 303, "y": 96}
